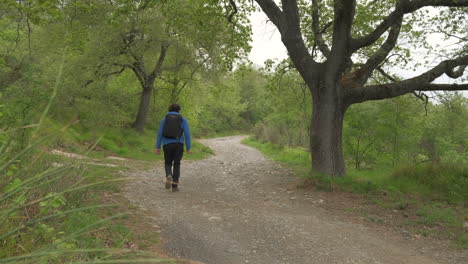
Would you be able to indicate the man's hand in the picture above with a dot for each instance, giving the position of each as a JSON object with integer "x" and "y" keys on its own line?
{"x": 189, "y": 151}
{"x": 158, "y": 151}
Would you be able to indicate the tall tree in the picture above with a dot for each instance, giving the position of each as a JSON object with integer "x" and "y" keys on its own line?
{"x": 324, "y": 37}
{"x": 154, "y": 36}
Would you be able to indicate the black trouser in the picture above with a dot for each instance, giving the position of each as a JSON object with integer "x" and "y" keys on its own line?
{"x": 172, "y": 155}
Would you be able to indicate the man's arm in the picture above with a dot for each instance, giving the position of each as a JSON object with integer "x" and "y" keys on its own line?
{"x": 159, "y": 136}
{"x": 188, "y": 140}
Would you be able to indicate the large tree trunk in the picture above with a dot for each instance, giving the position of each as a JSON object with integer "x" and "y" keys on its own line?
{"x": 143, "y": 108}
{"x": 326, "y": 135}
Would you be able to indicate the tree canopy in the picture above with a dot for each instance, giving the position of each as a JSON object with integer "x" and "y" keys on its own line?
{"x": 340, "y": 47}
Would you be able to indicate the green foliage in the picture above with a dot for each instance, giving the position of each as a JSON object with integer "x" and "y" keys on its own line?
{"x": 127, "y": 143}
{"x": 284, "y": 107}
{"x": 49, "y": 212}
{"x": 288, "y": 155}
{"x": 383, "y": 131}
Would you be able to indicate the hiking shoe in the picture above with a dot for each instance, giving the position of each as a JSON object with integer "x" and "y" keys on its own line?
{"x": 168, "y": 182}
{"x": 176, "y": 189}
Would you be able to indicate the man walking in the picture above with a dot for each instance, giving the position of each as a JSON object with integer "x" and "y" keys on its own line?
{"x": 172, "y": 133}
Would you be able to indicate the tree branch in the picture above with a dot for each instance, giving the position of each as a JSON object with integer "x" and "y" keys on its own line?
{"x": 420, "y": 95}
{"x": 318, "y": 35}
{"x": 386, "y": 75}
{"x": 379, "y": 56}
{"x": 139, "y": 74}
{"x": 291, "y": 36}
{"x": 272, "y": 11}
{"x": 402, "y": 7}
{"x": 234, "y": 10}
{"x": 288, "y": 24}
{"x": 441, "y": 68}
{"x": 339, "y": 58}
{"x": 117, "y": 72}
{"x": 158, "y": 67}
{"x": 452, "y": 73}
{"x": 443, "y": 87}
{"x": 421, "y": 82}
{"x": 384, "y": 91}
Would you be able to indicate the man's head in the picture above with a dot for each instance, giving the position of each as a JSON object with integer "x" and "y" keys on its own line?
{"x": 174, "y": 108}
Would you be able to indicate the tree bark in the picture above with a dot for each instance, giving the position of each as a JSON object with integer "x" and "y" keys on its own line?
{"x": 145, "y": 99}
{"x": 147, "y": 83}
{"x": 326, "y": 135}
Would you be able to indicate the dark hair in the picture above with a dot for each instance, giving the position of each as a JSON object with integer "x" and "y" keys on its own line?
{"x": 174, "y": 108}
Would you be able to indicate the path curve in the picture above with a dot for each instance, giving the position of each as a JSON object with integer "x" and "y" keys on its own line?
{"x": 234, "y": 208}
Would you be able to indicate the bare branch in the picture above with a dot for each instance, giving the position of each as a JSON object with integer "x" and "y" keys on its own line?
{"x": 386, "y": 75}
{"x": 423, "y": 97}
{"x": 318, "y": 35}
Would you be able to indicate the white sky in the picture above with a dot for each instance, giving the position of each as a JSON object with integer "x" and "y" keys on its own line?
{"x": 266, "y": 40}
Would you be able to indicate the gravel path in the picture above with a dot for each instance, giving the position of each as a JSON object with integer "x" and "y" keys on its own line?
{"x": 234, "y": 208}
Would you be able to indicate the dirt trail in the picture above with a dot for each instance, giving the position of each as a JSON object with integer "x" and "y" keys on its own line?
{"x": 234, "y": 207}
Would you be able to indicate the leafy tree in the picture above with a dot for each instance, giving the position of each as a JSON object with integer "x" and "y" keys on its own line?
{"x": 283, "y": 105}
{"x": 443, "y": 133}
{"x": 383, "y": 131}
{"x": 337, "y": 46}
{"x": 153, "y": 37}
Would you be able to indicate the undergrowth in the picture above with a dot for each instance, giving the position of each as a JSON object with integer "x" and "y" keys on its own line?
{"x": 124, "y": 142}
{"x": 52, "y": 211}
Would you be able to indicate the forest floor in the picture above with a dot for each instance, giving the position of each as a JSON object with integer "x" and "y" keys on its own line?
{"x": 239, "y": 207}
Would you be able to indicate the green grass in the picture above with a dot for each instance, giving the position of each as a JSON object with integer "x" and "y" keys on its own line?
{"x": 295, "y": 157}
{"x": 444, "y": 182}
{"x": 56, "y": 212}
{"x": 121, "y": 142}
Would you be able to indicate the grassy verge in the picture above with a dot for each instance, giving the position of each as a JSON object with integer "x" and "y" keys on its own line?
{"x": 62, "y": 209}
{"x": 125, "y": 143}
{"x": 52, "y": 211}
{"x": 433, "y": 198}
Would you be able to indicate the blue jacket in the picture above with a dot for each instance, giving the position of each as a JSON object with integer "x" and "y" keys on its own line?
{"x": 185, "y": 136}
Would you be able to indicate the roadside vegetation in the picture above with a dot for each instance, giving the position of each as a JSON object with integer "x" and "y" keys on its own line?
{"x": 431, "y": 197}
{"x": 84, "y": 85}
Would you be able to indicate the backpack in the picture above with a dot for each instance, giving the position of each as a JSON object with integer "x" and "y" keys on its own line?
{"x": 172, "y": 126}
